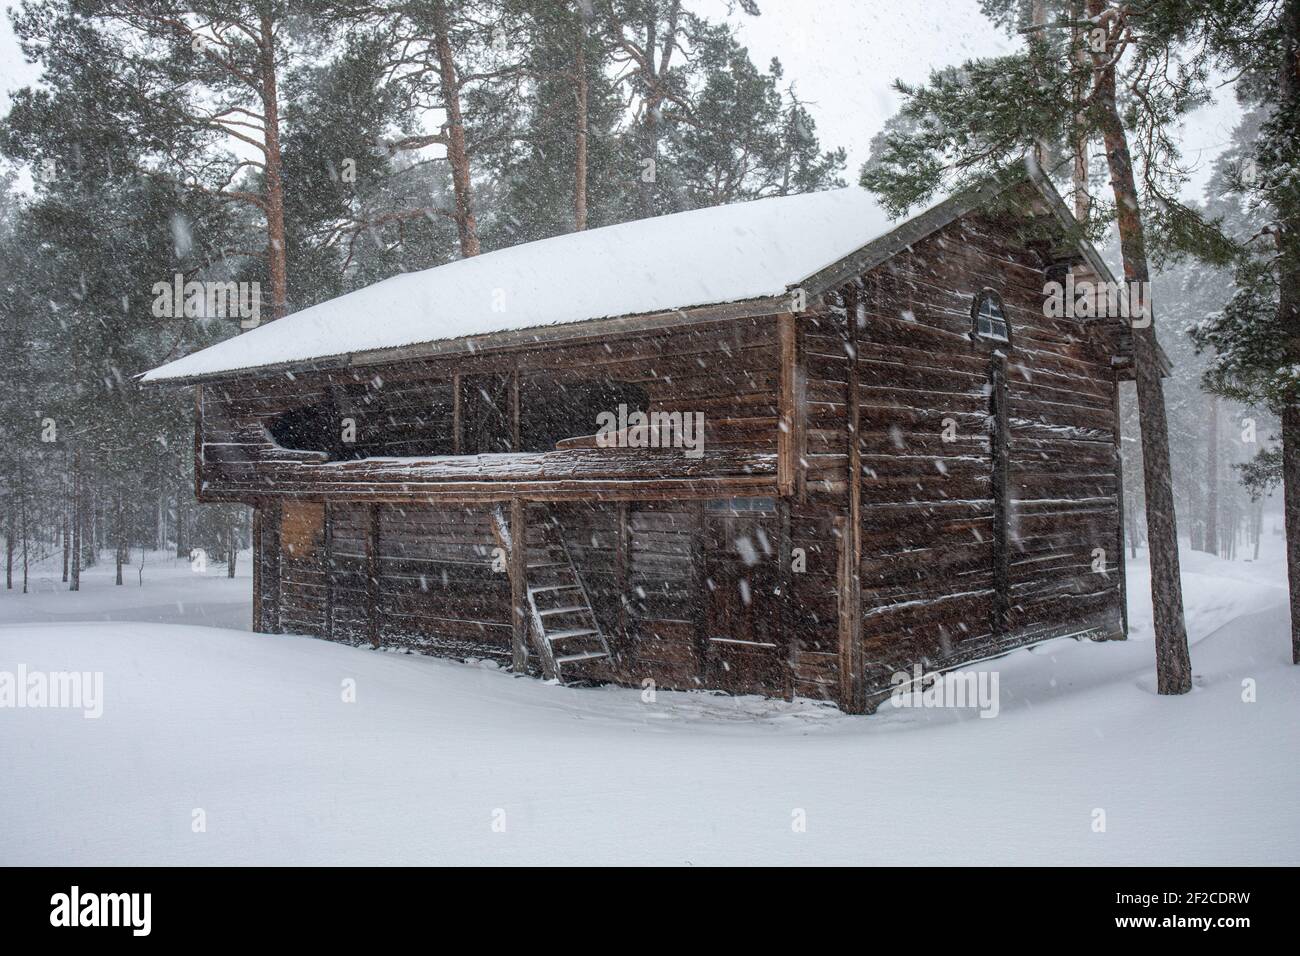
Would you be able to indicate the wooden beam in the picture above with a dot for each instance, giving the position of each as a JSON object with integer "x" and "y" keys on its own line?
{"x": 455, "y": 413}
{"x": 622, "y": 563}
{"x": 516, "y": 442}
{"x": 786, "y": 633}
{"x": 852, "y": 663}
{"x": 198, "y": 442}
{"x": 372, "y": 576}
{"x": 517, "y": 563}
{"x": 850, "y": 629}
{"x": 1121, "y": 560}
{"x": 258, "y": 558}
{"x": 787, "y": 421}
{"x": 999, "y": 489}
{"x": 274, "y": 513}
{"x": 702, "y": 599}
{"x": 327, "y": 562}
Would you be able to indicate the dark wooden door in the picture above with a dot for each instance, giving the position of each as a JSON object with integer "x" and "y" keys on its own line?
{"x": 742, "y": 613}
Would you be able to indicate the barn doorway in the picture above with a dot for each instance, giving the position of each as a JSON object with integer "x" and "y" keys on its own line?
{"x": 742, "y": 613}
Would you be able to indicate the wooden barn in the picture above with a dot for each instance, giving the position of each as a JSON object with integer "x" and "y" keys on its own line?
{"x": 786, "y": 447}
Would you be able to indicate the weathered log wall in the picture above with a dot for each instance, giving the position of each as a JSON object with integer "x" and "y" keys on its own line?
{"x": 952, "y": 496}
{"x": 942, "y": 525}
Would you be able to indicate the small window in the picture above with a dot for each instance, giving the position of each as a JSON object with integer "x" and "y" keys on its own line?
{"x": 990, "y": 321}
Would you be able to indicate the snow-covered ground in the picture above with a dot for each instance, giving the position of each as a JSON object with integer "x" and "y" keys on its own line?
{"x": 438, "y": 762}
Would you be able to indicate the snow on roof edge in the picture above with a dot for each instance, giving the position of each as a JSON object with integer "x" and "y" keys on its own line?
{"x": 767, "y": 258}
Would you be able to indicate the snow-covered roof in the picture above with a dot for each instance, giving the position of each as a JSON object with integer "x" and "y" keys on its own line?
{"x": 704, "y": 257}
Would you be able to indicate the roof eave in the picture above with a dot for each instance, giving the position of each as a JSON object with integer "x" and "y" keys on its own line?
{"x": 499, "y": 341}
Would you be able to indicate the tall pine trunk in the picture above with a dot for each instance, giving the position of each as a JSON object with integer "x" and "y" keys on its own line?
{"x": 457, "y": 153}
{"x": 1289, "y": 319}
{"x": 276, "y": 253}
{"x": 232, "y": 549}
{"x": 9, "y": 545}
{"x": 1212, "y": 480}
{"x": 75, "y": 584}
{"x": 181, "y": 550}
{"x": 119, "y": 538}
{"x": 580, "y": 92}
{"x": 1173, "y": 663}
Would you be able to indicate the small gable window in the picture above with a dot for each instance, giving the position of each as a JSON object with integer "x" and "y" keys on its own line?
{"x": 990, "y": 321}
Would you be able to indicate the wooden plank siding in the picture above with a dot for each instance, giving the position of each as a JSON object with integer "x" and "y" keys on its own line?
{"x": 1025, "y": 489}
{"x": 880, "y": 488}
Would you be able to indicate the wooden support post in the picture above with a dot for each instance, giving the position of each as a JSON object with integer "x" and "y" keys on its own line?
{"x": 1001, "y": 505}
{"x": 258, "y": 557}
{"x": 198, "y": 450}
{"x": 701, "y": 599}
{"x": 787, "y": 421}
{"x": 456, "y": 405}
{"x": 327, "y": 563}
{"x": 852, "y": 652}
{"x": 622, "y": 562}
{"x": 1121, "y": 562}
{"x": 337, "y": 445}
{"x": 372, "y": 576}
{"x": 271, "y": 522}
{"x": 516, "y": 443}
{"x": 786, "y": 635}
{"x": 518, "y": 566}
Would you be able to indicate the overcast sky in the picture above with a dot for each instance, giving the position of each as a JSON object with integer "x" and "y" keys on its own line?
{"x": 843, "y": 55}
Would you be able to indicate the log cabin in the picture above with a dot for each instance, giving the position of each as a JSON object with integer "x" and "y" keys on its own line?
{"x": 784, "y": 447}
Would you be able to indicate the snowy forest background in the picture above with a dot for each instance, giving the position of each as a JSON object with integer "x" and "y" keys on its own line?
{"x": 141, "y": 154}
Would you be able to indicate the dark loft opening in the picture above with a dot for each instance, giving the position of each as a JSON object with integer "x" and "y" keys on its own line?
{"x": 416, "y": 419}
{"x": 305, "y": 429}
{"x": 550, "y": 412}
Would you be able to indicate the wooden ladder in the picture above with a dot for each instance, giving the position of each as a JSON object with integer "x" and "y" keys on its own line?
{"x": 564, "y": 627}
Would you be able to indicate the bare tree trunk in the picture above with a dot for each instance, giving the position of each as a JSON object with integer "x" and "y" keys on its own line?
{"x": 1173, "y": 662}
{"x": 66, "y": 544}
{"x": 119, "y": 534}
{"x": 1291, "y": 506}
{"x": 76, "y": 522}
{"x": 276, "y": 254}
{"x": 1079, "y": 172}
{"x": 1257, "y": 526}
{"x": 1212, "y": 480}
{"x": 9, "y": 545}
{"x": 1289, "y": 316}
{"x": 232, "y": 549}
{"x": 22, "y": 518}
{"x": 650, "y": 123}
{"x": 181, "y": 550}
{"x": 457, "y": 155}
{"x": 580, "y": 89}
{"x": 160, "y": 520}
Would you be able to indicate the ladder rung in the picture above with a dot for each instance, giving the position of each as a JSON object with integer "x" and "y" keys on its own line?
{"x": 563, "y": 610}
{"x": 585, "y": 656}
{"x": 575, "y": 632}
{"x": 546, "y": 588}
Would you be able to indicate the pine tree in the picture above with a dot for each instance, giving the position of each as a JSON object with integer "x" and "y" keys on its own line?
{"x": 1255, "y": 339}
